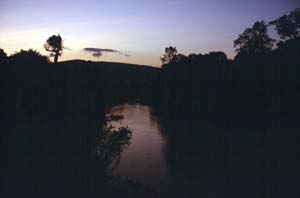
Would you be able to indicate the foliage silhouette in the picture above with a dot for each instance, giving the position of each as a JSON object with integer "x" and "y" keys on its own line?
{"x": 169, "y": 56}
{"x": 54, "y": 44}
{"x": 194, "y": 82}
{"x": 110, "y": 145}
{"x": 3, "y": 56}
{"x": 288, "y": 26}
{"x": 30, "y": 57}
{"x": 254, "y": 40}
{"x": 261, "y": 79}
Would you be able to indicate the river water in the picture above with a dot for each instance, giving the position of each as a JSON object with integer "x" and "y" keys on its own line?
{"x": 143, "y": 161}
{"x": 204, "y": 159}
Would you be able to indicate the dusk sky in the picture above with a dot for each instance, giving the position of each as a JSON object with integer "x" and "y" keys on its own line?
{"x": 139, "y": 28}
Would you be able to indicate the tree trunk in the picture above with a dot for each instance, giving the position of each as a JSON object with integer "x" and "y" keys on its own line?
{"x": 56, "y": 57}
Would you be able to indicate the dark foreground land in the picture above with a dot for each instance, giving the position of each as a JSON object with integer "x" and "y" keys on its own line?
{"x": 54, "y": 139}
{"x": 56, "y": 143}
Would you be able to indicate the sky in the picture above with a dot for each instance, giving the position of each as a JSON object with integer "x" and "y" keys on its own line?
{"x": 132, "y": 31}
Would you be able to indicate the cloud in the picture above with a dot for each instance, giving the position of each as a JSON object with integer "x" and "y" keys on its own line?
{"x": 98, "y": 52}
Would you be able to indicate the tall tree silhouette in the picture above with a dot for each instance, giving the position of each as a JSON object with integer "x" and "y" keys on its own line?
{"x": 254, "y": 40}
{"x": 3, "y": 56}
{"x": 288, "y": 26}
{"x": 169, "y": 56}
{"x": 54, "y": 44}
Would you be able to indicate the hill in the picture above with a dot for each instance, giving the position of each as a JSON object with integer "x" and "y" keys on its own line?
{"x": 75, "y": 87}
{"x": 111, "y": 71}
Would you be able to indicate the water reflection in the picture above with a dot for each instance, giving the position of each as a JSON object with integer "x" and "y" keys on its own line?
{"x": 209, "y": 158}
{"x": 111, "y": 143}
{"x": 143, "y": 160}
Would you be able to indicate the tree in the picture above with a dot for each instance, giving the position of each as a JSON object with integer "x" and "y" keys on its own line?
{"x": 54, "y": 44}
{"x": 254, "y": 40}
{"x": 169, "y": 56}
{"x": 288, "y": 26}
{"x": 218, "y": 57}
{"x": 28, "y": 57}
{"x": 3, "y": 56}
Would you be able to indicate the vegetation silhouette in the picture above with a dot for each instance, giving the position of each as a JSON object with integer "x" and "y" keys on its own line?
{"x": 30, "y": 57}
{"x": 260, "y": 80}
{"x": 240, "y": 155}
{"x": 110, "y": 145}
{"x": 169, "y": 56}
{"x": 54, "y": 116}
{"x": 254, "y": 40}
{"x": 3, "y": 56}
{"x": 287, "y": 26}
{"x": 54, "y": 44}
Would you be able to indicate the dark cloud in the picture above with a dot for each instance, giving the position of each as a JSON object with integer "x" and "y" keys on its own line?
{"x": 98, "y": 52}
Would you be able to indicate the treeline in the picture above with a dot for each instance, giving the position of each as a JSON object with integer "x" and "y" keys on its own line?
{"x": 34, "y": 87}
{"x": 262, "y": 78}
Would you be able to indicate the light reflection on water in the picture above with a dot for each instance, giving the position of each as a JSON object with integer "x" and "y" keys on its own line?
{"x": 143, "y": 161}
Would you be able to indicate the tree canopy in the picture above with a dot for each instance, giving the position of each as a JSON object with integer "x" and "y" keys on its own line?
{"x": 169, "y": 56}
{"x": 54, "y": 44}
{"x": 288, "y": 26}
{"x": 28, "y": 57}
{"x": 254, "y": 40}
{"x": 3, "y": 56}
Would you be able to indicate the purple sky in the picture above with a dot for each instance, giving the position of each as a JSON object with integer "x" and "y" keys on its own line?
{"x": 139, "y": 28}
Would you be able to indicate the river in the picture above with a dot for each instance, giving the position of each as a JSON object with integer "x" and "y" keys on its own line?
{"x": 143, "y": 161}
{"x": 205, "y": 159}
